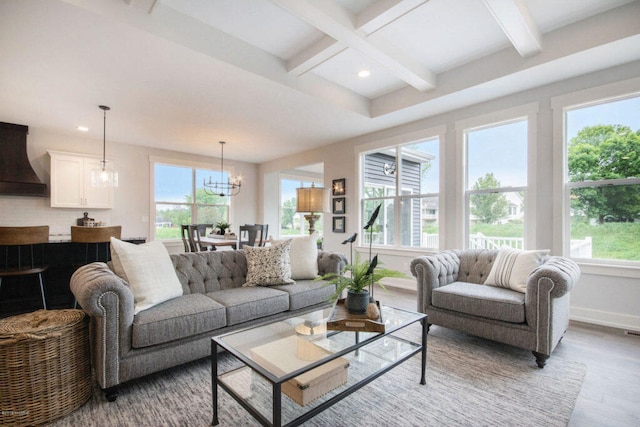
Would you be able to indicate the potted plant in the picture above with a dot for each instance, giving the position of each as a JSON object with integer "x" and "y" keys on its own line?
{"x": 363, "y": 274}
{"x": 222, "y": 226}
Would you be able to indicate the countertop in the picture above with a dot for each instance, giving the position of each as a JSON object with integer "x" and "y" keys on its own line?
{"x": 66, "y": 238}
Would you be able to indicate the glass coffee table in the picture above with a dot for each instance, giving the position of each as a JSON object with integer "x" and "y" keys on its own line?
{"x": 292, "y": 370}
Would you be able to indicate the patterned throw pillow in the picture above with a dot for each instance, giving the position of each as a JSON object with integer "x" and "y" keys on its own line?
{"x": 512, "y": 267}
{"x": 269, "y": 265}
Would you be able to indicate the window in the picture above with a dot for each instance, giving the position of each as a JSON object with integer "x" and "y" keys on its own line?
{"x": 496, "y": 184}
{"x": 292, "y": 223}
{"x": 602, "y": 191}
{"x": 404, "y": 179}
{"x": 179, "y": 199}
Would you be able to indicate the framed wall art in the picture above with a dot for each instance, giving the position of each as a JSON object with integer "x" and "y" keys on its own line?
{"x": 339, "y": 207}
{"x": 339, "y": 187}
{"x": 338, "y": 224}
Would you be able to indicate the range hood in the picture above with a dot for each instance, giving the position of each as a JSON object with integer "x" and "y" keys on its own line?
{"x": 17, "y": 177}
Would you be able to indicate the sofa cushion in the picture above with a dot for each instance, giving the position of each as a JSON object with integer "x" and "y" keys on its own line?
{"x": 304, "y": 257}
{"x": 268, "y": 265}
{"x": 243, "y": 304}
{"x": 307, "y": 292}
{"x": 148, "y": 270}
{"x": 479, "y": 300}
{"x": 512, "y": 267}
{"x": 177, "y": 318}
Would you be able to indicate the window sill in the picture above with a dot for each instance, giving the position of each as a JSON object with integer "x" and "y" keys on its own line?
{"x": 611, "y": 270}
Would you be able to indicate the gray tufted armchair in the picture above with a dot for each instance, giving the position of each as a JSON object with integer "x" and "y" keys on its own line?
{"x": 451, "y": 292}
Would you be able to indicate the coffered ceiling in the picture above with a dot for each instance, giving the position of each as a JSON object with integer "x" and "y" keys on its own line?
{"x": 275, "y": 77}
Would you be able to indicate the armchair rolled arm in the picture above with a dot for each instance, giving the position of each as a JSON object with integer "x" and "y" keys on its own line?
{"x": 559, "y": 272}
{"x": 433, "y": 271}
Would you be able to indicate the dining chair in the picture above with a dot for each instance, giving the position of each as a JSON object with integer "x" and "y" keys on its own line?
{"x": 255, "y": 235}
{"x": 191, "y": 238}
{"x": 23, "y": 253}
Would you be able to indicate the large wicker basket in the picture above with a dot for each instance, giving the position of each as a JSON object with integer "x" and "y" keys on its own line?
{"x": 45, "y": 370}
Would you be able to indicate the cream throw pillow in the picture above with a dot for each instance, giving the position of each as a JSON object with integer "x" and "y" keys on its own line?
{"x": 304, "y": 257}
{"x": 148, "y": 270}
{"x": 512, "y": 267}
{"x": 269, "y": 265}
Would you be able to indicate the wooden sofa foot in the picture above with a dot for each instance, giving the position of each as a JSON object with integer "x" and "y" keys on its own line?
{"x": 541, "y": 359}
{"x": 111, "y": 394}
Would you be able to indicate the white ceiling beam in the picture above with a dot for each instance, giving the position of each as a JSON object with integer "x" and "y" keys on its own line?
{"x": 146, "y": 5}
{"x": 338, "y": 24}
{"x": 516, "y": 22}
{"x": 326, "y": 48}
{"x": 383, "y": 12}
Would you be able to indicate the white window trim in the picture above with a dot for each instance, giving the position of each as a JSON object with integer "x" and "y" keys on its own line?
{"x": 180, "y": 163}
{"x": 397, "y": 140}
{"x": 527, "y": 112}
{"x": 561, "y": 233}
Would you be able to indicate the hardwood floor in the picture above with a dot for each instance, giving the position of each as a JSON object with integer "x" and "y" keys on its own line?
{"x": 610, "y": 394}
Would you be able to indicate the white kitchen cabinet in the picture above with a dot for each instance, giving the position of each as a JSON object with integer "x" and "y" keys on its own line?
{"x": 71, "y": 182}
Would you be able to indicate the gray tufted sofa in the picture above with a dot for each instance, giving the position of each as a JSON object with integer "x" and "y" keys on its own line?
{"x": 450, "y": 291}
{"x": 124, "y": 346}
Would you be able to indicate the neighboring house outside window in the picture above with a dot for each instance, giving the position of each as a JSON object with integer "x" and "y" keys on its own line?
{"x": 179, "y": 199}
{"x": 404, "y": 179}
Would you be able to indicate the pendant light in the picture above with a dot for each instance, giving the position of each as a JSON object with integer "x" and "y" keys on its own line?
{"x": 229, "y": 187}
{"x": 105, "y": 175}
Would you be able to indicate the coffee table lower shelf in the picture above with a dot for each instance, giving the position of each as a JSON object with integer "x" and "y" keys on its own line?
{"x": 260, "y": 392}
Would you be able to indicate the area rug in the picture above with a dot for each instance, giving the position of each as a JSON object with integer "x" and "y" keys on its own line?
{"x": 470, "y": 382}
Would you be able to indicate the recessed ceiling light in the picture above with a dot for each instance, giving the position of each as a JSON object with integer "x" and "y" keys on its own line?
{"x": 364, "y": 73}
{"x": 83, "y": 129}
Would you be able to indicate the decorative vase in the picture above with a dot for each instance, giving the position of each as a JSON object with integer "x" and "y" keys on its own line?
{"x": 357, "y": 301}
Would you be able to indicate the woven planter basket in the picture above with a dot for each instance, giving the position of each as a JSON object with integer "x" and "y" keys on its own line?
{"x": 45, "y": 370}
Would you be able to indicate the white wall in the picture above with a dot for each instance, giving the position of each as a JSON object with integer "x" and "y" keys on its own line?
{"x": 608, "y": 299}
{"x": 131, "y": 207}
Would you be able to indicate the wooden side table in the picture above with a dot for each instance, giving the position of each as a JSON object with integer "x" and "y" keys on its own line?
{"x": 45, "y": 369}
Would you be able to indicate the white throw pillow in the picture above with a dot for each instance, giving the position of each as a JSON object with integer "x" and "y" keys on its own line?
{"x": 148, "y": 270}
{"x": 512, "y": 267}
{"x": 268, "y": 265}
{"x": 304, "y": 257}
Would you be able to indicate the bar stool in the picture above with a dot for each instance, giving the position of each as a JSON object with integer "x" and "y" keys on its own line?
{"x": 23, "y": 253}
{"x": 96, "y": 236}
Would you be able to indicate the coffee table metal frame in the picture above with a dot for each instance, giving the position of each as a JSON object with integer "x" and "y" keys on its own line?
{"x": 276, "y": 382}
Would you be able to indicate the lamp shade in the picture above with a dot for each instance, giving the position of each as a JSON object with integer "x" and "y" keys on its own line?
{"x": 312, "y": 199}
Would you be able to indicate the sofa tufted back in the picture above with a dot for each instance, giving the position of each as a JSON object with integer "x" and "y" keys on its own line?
{"x": 202, "y": 272}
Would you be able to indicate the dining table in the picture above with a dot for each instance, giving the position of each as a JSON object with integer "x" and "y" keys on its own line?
{"x": 215, "y": 242}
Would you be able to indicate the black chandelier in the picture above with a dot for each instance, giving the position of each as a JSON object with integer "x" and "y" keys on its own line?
{"x": 230, "y": 187}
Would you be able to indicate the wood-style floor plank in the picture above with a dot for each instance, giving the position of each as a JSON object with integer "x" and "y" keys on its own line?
{"x": 610, "y": 394}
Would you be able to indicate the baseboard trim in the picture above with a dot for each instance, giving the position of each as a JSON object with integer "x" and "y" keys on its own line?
{"x": 605, "y": 318}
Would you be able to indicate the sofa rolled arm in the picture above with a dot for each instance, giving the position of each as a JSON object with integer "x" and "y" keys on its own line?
{"x": 108, "y": 301}
{"x": 331, "y": 263}
{"x": 561, "y": 272}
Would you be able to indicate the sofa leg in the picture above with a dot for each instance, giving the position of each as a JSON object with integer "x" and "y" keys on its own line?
{"x": 541, "y": 359}
{"x": 111, "y": 394}
{"x": 428, "y": 327}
